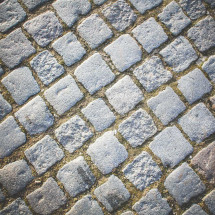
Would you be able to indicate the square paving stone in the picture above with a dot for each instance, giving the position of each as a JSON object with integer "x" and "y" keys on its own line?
{"x": 107, "y": 152}
{"x": 15, "y": 48}
{"x": 137, "y": 128}
{"x": 2, "y": 197}
{"x": 35, "y": 116}
{"x": 198, "y": 123}
{"x": 112, "y": 194}
{"x": 209, "y": 200}
{"x": 86, "y": 206}
{"x": 194, "y": 85}
{"x": 97, "y": 34}
{"x": 11, "y": 137}
{"x": 18, "y": 82}
{"x": 47, "y": 198}
{"x": 5, "y": 107}
{"x": 183, "y": 184}
{"x": 64, "y": 94}
{"x": 73, "y": 133}
{"x": 202, "y": 34}
{"x": 171, "y": 146}
{"x": 124, "y": 52}
{"x": 179, "y": 54}
{"x": 209, "y": 66}
{"x": 124, "y": 95}
{"x": 166, "y": 105}
{"x": 69, "y": 48}
{"x": 94, "y": 73}
{"x": 71, "y": 10}
{"x": 174, "y": 18}
{"x": 194, "y": 209}
{"x": 76, "y": 176}
{"x": 99, "y": 114}
{"x": 33, "y": 4}
{"x": 99, "y": 2}
{"x": 120, "y": 15}
{"x": 152, "y": 204}
{"x": 152, "y": 74}
{"x": 150, "y": 34}
{"x": 44, "y": 154}
{"x": 44, "y": 28}
{"x": 204, "y": 162}
{"x": 46, "y": 67}
{"x": 15, "y": 176}
{"x": 142, "y": 171}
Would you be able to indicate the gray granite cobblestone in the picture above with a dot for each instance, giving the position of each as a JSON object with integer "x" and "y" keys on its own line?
{"x": 194, "y": 209}
{"x": 209, "y": 200}
{"x": 5, "y": 107}
{"x": 209, "y": 66}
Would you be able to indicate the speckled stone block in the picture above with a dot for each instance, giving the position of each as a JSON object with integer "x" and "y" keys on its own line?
{"x": 194, "y": 209}
{"x": 99, "y": 2}
{"x": 209, "y": 66}
{"x": 5, "y": 107}
{"x": 2, "y": 197}
{"x": 209, "y": 200}
{"x": 31, "y": 5}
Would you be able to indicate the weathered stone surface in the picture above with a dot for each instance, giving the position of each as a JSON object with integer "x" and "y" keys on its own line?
{"x": 194, "y": 209}
{"x": 46, "y": 67}
{"x": 99, "y": 2}
{"x": 33, "y": 4}
{"x": 150, "y": 34}
{"x": 198, "y": 123}
{"x": 128, "y": 213}
{"x": 2, "y": 197}
{"x": 112, "y": 194}
{"x": 5, "y": 107}
{"x": 183, "y": 184}
{"x": 94, "y": 73}
{"x": 152, "y": 204}
{"x": 47, "y": 198}
{"x": 18, "y": 82}
{"x": 142, "y": 171}
{"x": 137, "y": 128}
{"x": 15, "y": 48}
{"x": 124, "y": 52}
{"x": 152, "y": 74}
{"x": 107, "y": 152}
{"x": 211, "y": 2}
{"x": 76, "y": 176}
{"x": 15, "y": 176}
{"x": 210, "y": 201}
{"x": 124, "y": 95}
{"x": 35, "y": 116}
{"x": 171, "y": 146}
{"x": 179, "y": 54}
{"x": 209, "y": 66}
{"x": 44, "y": 28}
{"x": 202, "y": 34}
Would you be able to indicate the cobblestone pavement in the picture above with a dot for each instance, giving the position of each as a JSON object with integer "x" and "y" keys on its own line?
{"x": 107, "y": 107}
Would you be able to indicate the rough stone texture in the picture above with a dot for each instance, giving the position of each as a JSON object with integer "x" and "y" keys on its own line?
{"x": 150, "y": 34}
{"x": 94, "y": 73}
{"x": 209, "y": 66}
{"x": 15, "y": 48}
{"x": 99, "y": 2}
{"x": 47, "y": 198}
{"x": 46, "y": 67}
{"x": 70, "y": 10}
{"x": 35, "y": 116}
{"x": 174, "y": 18}
{"x": 202, "y": 34}
{"x": 5, "y": 107}
{"x": 32, "y": 4}
{"x": 17, "y": 207}
{"x": 194, "y": 209}
{"x": 143, "y": 5}
{"x": 204, "y": 162}
{"x": 112, "y": 194}
{"x": 76, "y": 176}
{"x": 137, "y": 128}
{"x": 152, "y": 74}
{"x": 179, "y": 54}
{"x": 44, "y": 154}
{"x": 18, "y": 82}
{"x": 120, "y": 15}
{"x": 98, "y": 34}
{"x": 128, "y": 213}
{"x": 73, "y": 133}
{"x": 11, "y": 137}
{"x": 2, "y": 197}
{"x": 152, "y": 204}
{"x": 69, "y": 48}
{"x": 86, "y": 206}
{"x": 124, "y": 95}
{"x": 198, "y": 123}
{"x": 209, "y": 200}
{"x": 44, "y": 28}
{"x": 171, "y": 146}
{"x": 142, "y": 171}
{"x": 15, "y": 176}
{"x": 183, "y": 184}
{"x": 107, "y": 152}
{"x": 124, "y": 52}
{"x": 211, "y": 2}
{"x": 64, "y": 94}
{"x": 166, "y": 105}
{"x": 11, "y": 13}
{"x": 194, "y": 85}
